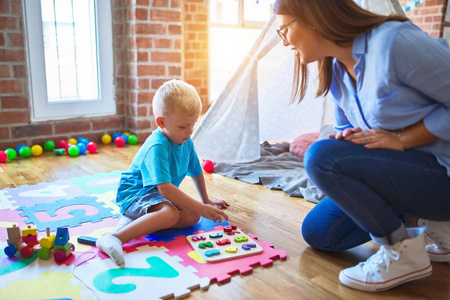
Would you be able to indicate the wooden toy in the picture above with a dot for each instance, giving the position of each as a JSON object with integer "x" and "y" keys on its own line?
{"x": 213, "y": 249}
{"x": 63, "y": 249}
{"x": 24, "y": 241}
{"x": 47, "y": 243}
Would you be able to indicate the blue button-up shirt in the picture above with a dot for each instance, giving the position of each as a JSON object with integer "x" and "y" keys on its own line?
{"x": 402, "y": 77}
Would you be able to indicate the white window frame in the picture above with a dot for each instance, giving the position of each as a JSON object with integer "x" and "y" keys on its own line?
{"x": 41, "y": 109}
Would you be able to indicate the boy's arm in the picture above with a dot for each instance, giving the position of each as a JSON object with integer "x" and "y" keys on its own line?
{"x": 184, "y": 201}
{"x": 199, "y": 182}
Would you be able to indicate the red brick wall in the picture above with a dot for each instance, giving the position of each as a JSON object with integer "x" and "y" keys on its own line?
{"x": 429, "y": 16}
{"x": 196, "y": 47}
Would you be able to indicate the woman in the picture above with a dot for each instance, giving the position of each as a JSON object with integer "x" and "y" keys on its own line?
{"x": 390, "y": 83}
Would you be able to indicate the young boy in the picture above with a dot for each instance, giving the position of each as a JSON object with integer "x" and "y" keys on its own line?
{"x": 148, "y": 194}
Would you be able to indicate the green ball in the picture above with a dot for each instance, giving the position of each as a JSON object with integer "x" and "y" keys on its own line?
{"x": 25, "y": 152}
{"x": 73, "y": 151}
{"x": 132, "y": 139}
{"x": 11, "y": 153}
{"x": 49, "y": 145}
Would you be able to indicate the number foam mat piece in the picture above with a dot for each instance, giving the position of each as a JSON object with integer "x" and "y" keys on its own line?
{"x": 160, "y": 265}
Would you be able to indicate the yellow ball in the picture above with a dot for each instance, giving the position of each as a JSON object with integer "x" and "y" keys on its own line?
{"x": 106, "y": 139}
{"x": 72, "y": 141}
{"x": 127, "y": 133}
{"x": 36, "y": 150}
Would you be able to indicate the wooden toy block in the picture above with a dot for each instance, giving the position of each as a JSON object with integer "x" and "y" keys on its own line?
{"x": 205, "y": 245}
{"x": 248, "y": 246}
{"x": 47, "y": 242}
{"x": 216, "y": 235}
{"x": 197, "y": 238}
{"x": 223, "y": 249}
{"x": 62, "y": 236}
{"x": 14, "y": 236}
{"x": 210, "y": 253}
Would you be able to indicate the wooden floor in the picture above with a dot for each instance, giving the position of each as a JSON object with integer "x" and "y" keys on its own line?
{"x": 270, "y": 215}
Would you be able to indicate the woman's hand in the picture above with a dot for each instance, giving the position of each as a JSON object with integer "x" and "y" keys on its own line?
{"x": 345, "y": 133}
{"x": 212, "y": 212}
{"x": 374, "y": 138}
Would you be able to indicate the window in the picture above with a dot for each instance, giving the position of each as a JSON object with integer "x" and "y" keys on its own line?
{"x": 70, "y": 58}
{"x": 235, "y": 25}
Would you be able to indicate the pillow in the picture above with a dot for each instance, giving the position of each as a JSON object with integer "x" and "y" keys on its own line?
{"x": 299, "y": 145}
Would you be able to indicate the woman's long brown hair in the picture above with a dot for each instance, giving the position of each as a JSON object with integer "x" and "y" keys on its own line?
{"x": 339, "y": 21}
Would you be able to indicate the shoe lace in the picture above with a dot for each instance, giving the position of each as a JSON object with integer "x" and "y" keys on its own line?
{"x": 382, "y": 259}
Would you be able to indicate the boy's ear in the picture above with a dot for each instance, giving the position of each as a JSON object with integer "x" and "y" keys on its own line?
{"x": 160, "y": 122}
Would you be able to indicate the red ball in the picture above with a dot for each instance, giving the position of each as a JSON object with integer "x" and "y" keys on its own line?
{"x": 68, "y": 146}
{"x": 91, "y": 147}
{"x": 208, "y": 166}
{"x": 119, "y": 141}
{"x": 62, "y": 144}
{"x": 3, "y": 156}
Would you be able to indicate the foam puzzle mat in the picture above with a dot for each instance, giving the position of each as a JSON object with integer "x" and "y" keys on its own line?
{"x": 160, "y": 265}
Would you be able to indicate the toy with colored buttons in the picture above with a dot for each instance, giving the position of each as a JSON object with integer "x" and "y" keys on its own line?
{"x": 229, "y": 243}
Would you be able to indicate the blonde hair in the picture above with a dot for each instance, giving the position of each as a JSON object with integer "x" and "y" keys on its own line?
{"x": 176, "y": 96}
{"x": 339, "y": 21}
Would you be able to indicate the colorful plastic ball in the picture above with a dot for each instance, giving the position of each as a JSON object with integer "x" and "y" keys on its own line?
{"x": 3, "y": 156}
{"x": 25, "y": 152}
{"x": 119, "y": 141}
{"x": 36, "y": 150}
{"x": 127, "y": 133}
{"x": 62, "y": 144}
{"x": 11, "y": 153}
{"x": 73, "y": 151}
{"x": 115, "y": 135}
{"x": 208, "y": 166}
{"x": 91, "y": 147}
{"x": 132, "y": 139}
{"x": 125, "y": 138}
{"x": 68, "y": 146}
{"x": 49, "y": 145}
{"x": 82, "y": 140}
{"x": 82, "y": 147}
{"x": 106, "y": 139}
{"x": 19, "y": 146}
{"x": 72, "y": 141}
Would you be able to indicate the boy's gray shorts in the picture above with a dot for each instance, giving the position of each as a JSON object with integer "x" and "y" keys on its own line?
{"x": 141, "y": 205}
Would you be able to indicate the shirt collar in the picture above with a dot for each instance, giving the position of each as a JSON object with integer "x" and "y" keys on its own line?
{"x": 359, "y": 45}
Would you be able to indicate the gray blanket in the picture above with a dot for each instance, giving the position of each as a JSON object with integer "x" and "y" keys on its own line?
{"x": 276, "y": 169}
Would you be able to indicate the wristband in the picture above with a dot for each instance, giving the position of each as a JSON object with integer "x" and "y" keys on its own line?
{"x": 400, "y": 138}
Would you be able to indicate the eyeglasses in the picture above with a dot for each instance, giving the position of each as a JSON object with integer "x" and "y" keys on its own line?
{"x": 283, "y": 30}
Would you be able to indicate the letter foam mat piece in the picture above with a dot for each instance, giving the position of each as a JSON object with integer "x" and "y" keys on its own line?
{"x": 149, "y": 273}
{"x": 28, "y": 195}
{"x": 73, "y": 212}
{"x": 221, "y": 271}
{"x": 167, "y": 235}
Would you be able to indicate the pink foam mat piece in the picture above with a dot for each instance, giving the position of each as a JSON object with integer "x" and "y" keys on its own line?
{"x": 222, "y": 271}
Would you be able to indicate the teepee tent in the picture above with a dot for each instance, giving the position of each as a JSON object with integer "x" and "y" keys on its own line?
{"x": 254, "y": 106}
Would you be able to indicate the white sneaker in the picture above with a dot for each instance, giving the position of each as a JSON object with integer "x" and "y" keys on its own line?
{"x": 391, "y": 265}
{"x": 439, "y": 233}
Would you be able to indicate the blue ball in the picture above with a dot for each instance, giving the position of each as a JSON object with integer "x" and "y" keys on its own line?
{"x": 19, "y": 147}
{"x": 115, "y": 134}
{"x": 84, "y": 141}
{"x": 82, "y": 147}
{"x": 79, "y": 140}
{"x": 125, "y": 137}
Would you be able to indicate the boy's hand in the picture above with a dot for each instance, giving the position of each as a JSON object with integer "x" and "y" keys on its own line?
{"x": 219, "y": 203}
{"x": 212, "y": 212}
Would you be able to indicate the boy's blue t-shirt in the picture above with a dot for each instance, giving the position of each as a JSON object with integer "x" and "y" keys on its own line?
{"x": 158, "y": 161}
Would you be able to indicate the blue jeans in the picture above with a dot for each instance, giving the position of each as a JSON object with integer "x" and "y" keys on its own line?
{"x": 368, "y": 193}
